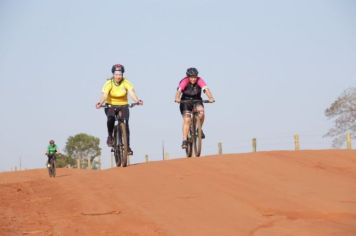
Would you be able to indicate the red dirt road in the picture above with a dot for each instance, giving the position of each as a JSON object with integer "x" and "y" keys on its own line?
{"x": 264, "y": 193}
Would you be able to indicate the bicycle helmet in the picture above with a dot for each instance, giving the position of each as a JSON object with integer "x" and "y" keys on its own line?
{"x": 117, "y": 67}
{"x": 51, "y": 141}
{"x": 192, "y": 72}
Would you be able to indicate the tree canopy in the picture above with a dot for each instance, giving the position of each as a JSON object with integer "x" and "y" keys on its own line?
{"x": 83, "y": 146}
{"x": 343, "y": 110}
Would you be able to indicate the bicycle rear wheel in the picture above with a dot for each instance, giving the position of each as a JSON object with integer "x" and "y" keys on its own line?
{"x": 124, "y": 144}
{"x": 116, "y": 147}
{"x": 197, "y": 136}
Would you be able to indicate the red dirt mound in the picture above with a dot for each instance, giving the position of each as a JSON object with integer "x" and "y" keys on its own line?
{"x": 264, "y": 193}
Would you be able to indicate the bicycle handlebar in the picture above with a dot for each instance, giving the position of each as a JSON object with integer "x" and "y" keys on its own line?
{"x": 130, "y": 105}
{"x": 195, "y": 101}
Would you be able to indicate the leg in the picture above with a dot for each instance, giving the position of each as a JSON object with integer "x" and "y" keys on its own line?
{"x": 185, "y": 110}
{"x": 50, "y": 156}
{"x": 200, "y": 109}
{"x": 110, "y": 113}
{"x": 186, "y": 124}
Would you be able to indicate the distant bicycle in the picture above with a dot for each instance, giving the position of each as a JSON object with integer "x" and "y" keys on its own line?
{"x": 51, "y": 165}
{"x": 195, "y": 130}
{"x": 120, "y": 145}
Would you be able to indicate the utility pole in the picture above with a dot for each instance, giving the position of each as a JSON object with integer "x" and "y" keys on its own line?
{"x": 220, "y": 150}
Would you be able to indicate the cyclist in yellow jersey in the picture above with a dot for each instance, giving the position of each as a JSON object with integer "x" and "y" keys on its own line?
{"x": 114, "y": 93}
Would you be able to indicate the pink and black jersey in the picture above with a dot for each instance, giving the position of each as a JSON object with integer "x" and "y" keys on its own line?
{"x": 191, "y": 91}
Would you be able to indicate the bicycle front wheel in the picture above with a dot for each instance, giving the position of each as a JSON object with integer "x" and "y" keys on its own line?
{"x": 197, "y": 137}
{"x": 189, "y": 148}
{"x": 116, "y": 147}
{"x": 49, "y": 170}
{"x": 124, "y": 144}
{"x": 53, "y": 168}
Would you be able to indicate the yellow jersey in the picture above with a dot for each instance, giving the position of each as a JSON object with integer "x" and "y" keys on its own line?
{"x": 117, "y": 93}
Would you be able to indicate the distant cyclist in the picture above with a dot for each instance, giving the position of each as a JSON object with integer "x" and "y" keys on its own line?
{"x": 114, "y": 93}
{"x": 51, "y": 151}
{"x": 190, "y": 88}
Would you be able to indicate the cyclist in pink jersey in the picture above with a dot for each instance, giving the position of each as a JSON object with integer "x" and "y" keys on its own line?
{"x": 190, "y": 88}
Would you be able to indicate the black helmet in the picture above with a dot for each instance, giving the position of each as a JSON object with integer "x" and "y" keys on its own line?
{"x": 192, "y": 72}
{"x": 117, "y": 67}
{"x": 51, "y": 141}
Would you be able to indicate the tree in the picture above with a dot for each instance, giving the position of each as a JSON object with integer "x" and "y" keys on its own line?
{"x": 64, "y": 161}
{"x": 83, "y": 146}
{"x": 344, "y": 112}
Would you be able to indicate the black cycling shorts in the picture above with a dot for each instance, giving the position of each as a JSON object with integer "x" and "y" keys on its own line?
{"x": 188, "y": 107}
{"x": 114, "y": 110}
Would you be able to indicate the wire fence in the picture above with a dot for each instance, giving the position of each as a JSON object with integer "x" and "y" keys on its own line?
{"x": 304, "y": 141}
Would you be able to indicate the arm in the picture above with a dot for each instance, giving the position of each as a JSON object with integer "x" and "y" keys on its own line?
{"x": 178, "y": 96}
{"x": 206, "y": 90}
{"x": 181, "y": 86}
{"x": 57, "y": 152}
{"x": 134, "y": 97}
{"x": 209, "y": 94}
{"x": 101, "y": 100}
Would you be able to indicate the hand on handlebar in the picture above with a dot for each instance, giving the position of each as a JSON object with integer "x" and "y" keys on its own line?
{"x": 211, "y": 100}
{"x": 140, "y": 102}
{"x": 98, "y": 105}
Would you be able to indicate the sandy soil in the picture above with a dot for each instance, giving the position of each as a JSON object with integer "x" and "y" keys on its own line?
{"x": 254, "y": 194}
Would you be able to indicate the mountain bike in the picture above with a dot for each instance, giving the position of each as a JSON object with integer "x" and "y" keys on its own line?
{"x": 194, "y": 138}
{"x": 120, "y": 146}
{"x": 52, "y": 165}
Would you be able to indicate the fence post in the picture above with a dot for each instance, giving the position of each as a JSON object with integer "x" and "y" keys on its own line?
{"x": 146, "y": 158}
{"x": 99, "y": 162}
{"x": 166, "y": 156}
{"x": 254, "y": 144}
{"x": 348, "y": 141}
{"x": 220, "y": 151}
{"x": 296, "y": 142}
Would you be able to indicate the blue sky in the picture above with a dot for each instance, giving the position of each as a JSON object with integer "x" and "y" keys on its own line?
{"x": 273, "y": 67}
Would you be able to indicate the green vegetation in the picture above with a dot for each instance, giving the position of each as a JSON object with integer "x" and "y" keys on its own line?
{"x": 343, "y": 110}
{"x": 83, "y": 147}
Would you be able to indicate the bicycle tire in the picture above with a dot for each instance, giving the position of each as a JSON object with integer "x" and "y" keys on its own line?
{"x": 53, "y": 165}
{"x": 124, "y": 144}
{"x": 189, "y": 148}
{"x": 197, "y": 137}
{"x": 49, "y": 170}
{"x": 117, "y": 147}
